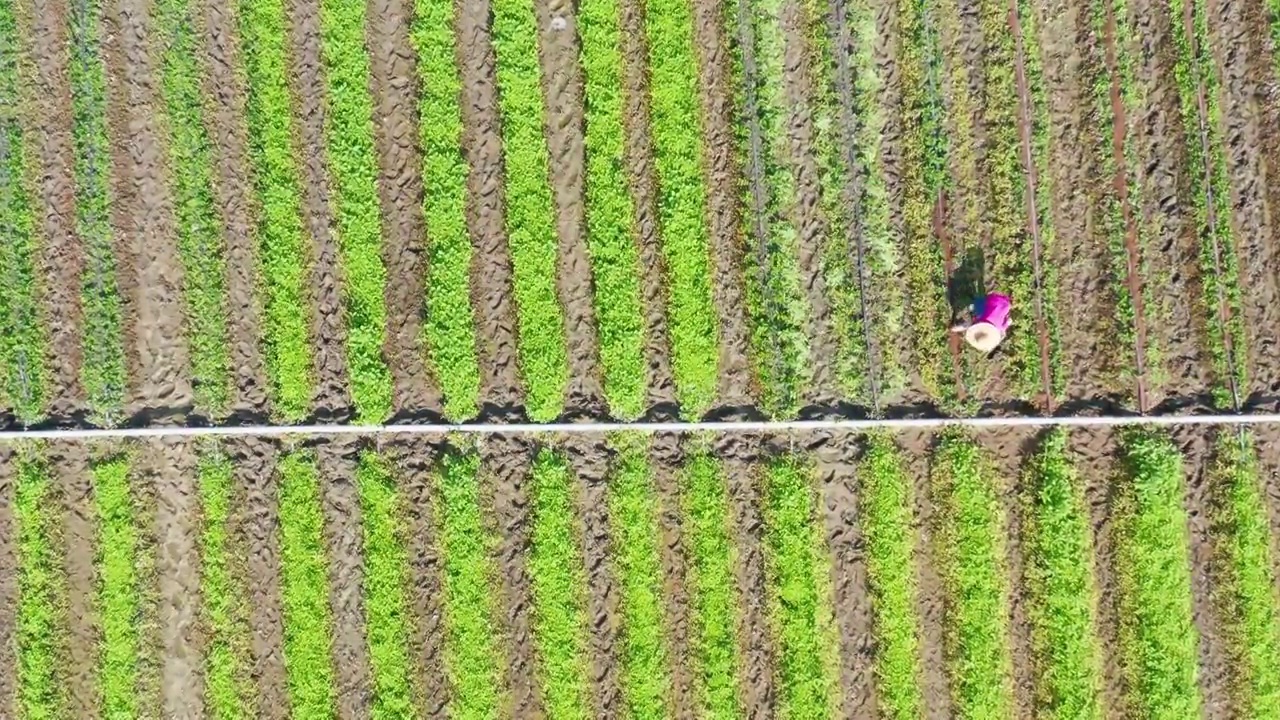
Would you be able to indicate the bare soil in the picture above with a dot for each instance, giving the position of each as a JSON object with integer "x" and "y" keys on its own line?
{"x": 665, "y": 456}
{"x": 151, "y": 691}
{"x": 491, "y": 272}
{"x": 1267, "y": 442}
{"x": 505, "y": 464}
{"x": 722, "y": 177}
{"x": 642, "y": 181}
{"x": 840, "y": 493}
{"x": 8, "y": 586}
{"x": 559, "y": 52}
{"x": 332, "y": 398}
{"x": 590, "y": 459}
{"x": 393, "y": 86}
{"x": 69, "y": 463}
{"x": 61, "y": 256}
{"x": 344, "y": 543}
{"x": 224, "y": 112}
{"x": 172, "y": 465}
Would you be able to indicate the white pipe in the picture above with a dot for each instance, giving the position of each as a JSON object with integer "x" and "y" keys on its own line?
{"x": 779, "y": 426}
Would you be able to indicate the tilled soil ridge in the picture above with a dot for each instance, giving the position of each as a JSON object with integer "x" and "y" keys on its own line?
{"x": 8, "y": 586}
{"x": 666, "y": 455}
{"x": 74, "y": 482}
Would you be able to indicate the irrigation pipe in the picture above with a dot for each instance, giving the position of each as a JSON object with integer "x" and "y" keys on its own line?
{"x": 779, "y": 426}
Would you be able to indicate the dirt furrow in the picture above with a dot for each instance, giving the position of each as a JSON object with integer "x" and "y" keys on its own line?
{"x": 665, "y": 457}
{"x": 393, "y": 70}
{"x": 590, "y": 459}
{"x": 742, "y": 473}
{"x": 61, "y": 257}
{"x": 145, "y": 223}
{"x": 225, "y": 111}
{"x": 837, "y": 476}
{"x": 70, "y": 464}
{"x": 8, "y": 586}
{"x": 722, "y": 174}
{"x": 415, "y": 458}
{"x": 642, "y": 181}
{"x": 345, "y": 550}
{"x": 172, "y": 465}
{"x": 491, "y": 271}
{"x": 1267, "y": 442}
{"x": 256, "y": 526}
{"x": 332, "y": 399}
{"x": 559, "y": 48}
{"x": 505, "y": 462}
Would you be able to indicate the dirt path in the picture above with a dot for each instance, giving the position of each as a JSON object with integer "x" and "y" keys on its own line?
{"x": 393, "y": 67}
{"x": 61, "y": 256}
{"x": 837, "y": 476}
{"x": 145, "y": 224}
{"x": 559, "y": 51}
{"x": 665, "y": 457}
{"x": 8, "y": 586}
{"x": 1267, "y": 441}
{"x": 491, "y": 272}
{"x": 257, "y": 529}
{"x": 332, "y": 399}
{"x": 642, "y": 181}
{"x": 415, "y": 458}
{"x": 740, "y": 454}
{"x": 590, "y": 459}
{"x": 224, "y": 112}
{"x": 722, "y": 173}
{"x": 172, "y": 465}
{"x": 345, "y": 550}
{"x": 69, "y": 463}
{"x": 505, "y": 462}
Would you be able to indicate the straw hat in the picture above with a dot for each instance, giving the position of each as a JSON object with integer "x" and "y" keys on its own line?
{"x": 983, "y": 336}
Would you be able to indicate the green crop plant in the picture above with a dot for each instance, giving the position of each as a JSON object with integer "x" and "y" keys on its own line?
{"x": 471, "y": 650}
{"x": 305, "y": 588}
{"x": 224, "y": 602}
{"x": 637, "y": 563}
{"x": 799, "y": 572}
{"x": 682, "y": 202}
{"x": 969, "y": 547}
{"x": 119, "y": 596}
{"x": 450, "y": 330}
{"x": 21, "y": 336}
{"x": 1060, "y": 590}
{"x": 1246, "y": 584}
{"x": 1157, "y": 637}
{"x": 283, "y": 255}
{"x": 559, "y": 588}
{"x": 385, "y": 582}
{"x": 610, "y": 216}
{"x": 103, "y": 369}
{"x": 200, "y": 237}
{"x": 531, "y": 213}
{"x": 353, "y": 166}
{"x": 712, "y": 587}
{"x": 886, "y": 511}
{"x": 41, "y": 611}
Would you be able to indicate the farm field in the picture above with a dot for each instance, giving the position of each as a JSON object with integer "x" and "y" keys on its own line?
{"x": 278, "y": 212}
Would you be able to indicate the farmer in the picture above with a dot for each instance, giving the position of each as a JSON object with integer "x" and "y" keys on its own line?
{"x": 985, "y": 322}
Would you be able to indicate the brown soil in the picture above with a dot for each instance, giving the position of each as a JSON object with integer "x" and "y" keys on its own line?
{"x": 1267, "y": 442}
{"x": 641, "y": 178}
{"x": 8, "y": 586}
{"x": 837, "y": 476}
{"x": 590, "y": 460}
{"x": 257, "y": 530}
{"x": 393, "y": 66}
{"x": 151, "y": 631}
{"x": 665, "y": 456}
{"x": 562, "y": 86}
{"x": 722, "y": 174}
{"x": 756, "y": 681}
{"x": 328, "y": 323}
{"x": 345, "y": 545}
{"x": 505, "y": 462}
{"x": 172, "y": 465}
{"x": 61, "y": 258}
{"x": 151, "y": 275}
{"x": 228, "y": 134}
{"x": 917, "y": 447}
{"x": 491, "y": 273}
{"x": 74, "y": 483}
{"x": 414, "y": 458}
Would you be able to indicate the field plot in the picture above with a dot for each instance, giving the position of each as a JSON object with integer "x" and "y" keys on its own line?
{"x": 278, "y": 212}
